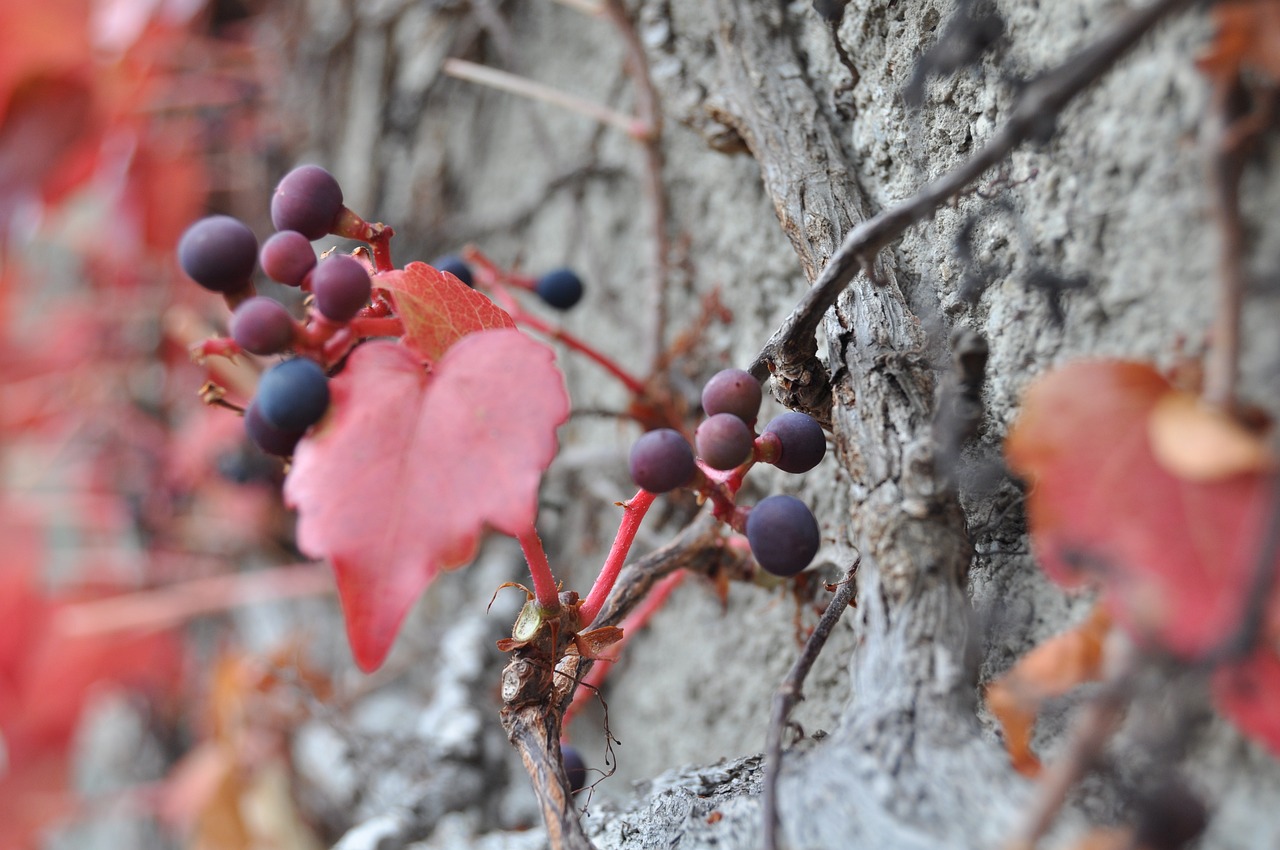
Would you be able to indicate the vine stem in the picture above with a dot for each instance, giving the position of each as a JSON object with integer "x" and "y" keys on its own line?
{"x": 1032, "y": 116}
{"x": 633, "y": 514}
{"x": 545, "y": 589}
{"x": 633, "y": 384}
{"x": 789, "y": 693}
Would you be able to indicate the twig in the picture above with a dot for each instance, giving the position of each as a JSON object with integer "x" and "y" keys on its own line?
{"x": 1093, "y": 728}
{"x": 1222, "y": 364}
{"x": 789, "y": 693}
{"x": 515, "y": 84}
{"x": 649, "y": 116}
{"x": 1262, "y": 583}
{"x": 1032, "y": 117}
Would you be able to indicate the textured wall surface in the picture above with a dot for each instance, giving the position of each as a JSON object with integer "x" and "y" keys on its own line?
{"x": 774, "y": 144}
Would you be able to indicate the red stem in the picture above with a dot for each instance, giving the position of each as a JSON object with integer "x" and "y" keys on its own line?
{"x": 545, "y": 589}
{"x": 633, "y": 514}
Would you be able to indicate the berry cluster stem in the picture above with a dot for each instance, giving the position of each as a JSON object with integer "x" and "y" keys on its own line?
{"x": 633, "y": 513}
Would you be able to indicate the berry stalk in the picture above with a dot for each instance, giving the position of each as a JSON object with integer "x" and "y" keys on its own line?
{"x": 633, "y": 513}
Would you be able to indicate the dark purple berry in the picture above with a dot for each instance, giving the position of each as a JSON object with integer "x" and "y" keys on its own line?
{"x": 783, "y": 535}
{"x": 262, "y": 326}
{"x": 803, "y": 443}
{"x": 724, "y": 441}
{"x": 308, "y": 200}
{"x": 268, "y": 437}
{"x": 293, "y": 395}
{"x": 341, "y": 286}
{"x": 732, "y": 391}
{"x": 561, "y": 288}
{"x": 456, "y": 266}
{"x": 575, "y": 767}
{"x": 662, "y": 460}
{"x": 287, "y": 256}
{"x": 219, "y": 253}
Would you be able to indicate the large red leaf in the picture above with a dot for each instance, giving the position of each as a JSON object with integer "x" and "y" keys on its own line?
{"x": 438, "y": 309}
{"x": 411, "y": 465}
{"x": 1175, "y": 557}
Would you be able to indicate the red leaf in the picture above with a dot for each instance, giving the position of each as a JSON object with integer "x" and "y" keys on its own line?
{"x": 1175, "y": 557}
{"x": 438, "y": 309}
{"x": 411, "y": 465}
{"x": 1248, "y": 694}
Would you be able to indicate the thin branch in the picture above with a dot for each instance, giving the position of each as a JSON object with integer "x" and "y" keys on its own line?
{"x": 789, "y": 693}
{"x": 1032, "y": 116}
{"x": 515, "y": 84}
{"x": 1222, "y": 364}
{"x": 1093, "y": 727}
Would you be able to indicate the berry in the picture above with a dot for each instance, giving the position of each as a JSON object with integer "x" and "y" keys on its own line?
{"x": 287, "y": 257}
{"x": 341, "y": 286}
{"x": 575, "y": 767}
{"x": 456, "y": 266}
{"x": 262, "y": 326}
{"x": 308, "y": 200}
{"x": 724, "y": 441}
{"x": 268, "y": 437}
{"x": 561, "y": 288}
{"x": 803, "y": 443}
{"x": 732, "y": 391}
{"x": 219, "y": 253}
{"x": 293, "y": 395}
{"x": 662, "y": 460}
{"x": 783, "y": 535}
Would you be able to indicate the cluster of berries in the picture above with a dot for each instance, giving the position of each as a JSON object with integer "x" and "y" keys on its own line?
{"x": 781, "y": 530}
{"x": 221, "y": 254}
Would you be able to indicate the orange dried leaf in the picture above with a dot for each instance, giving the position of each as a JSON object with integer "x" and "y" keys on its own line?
{"x": 1200, "y": 443}
{"x": 1248, "y": 36}
{"x": 1052, "y": 669}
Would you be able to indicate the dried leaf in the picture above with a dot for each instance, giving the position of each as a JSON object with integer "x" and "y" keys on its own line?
{"x": 1199, "y": 443}
{"x": 1248, "y": 36}
{"x": 1052, "y": 669}
{"x": 438, "y": 309}
{"x": 411, "y": 465}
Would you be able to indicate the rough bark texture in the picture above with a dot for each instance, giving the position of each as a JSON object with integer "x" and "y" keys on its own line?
{"x": 774, "y": 148}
